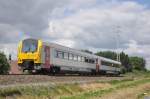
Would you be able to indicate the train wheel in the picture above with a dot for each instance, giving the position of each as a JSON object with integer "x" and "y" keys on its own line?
{"x": 52, "y": 71}
{"x": 93, "y": 72}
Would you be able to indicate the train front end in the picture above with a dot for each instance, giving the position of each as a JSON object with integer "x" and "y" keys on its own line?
{"x": 29, "y": 54}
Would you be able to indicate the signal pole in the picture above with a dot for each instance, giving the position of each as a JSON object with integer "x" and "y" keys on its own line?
{"x": 117, "y": 43}
{"x": 10, "y": 57}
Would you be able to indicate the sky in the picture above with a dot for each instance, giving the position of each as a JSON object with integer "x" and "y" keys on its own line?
{"x": 95, "y": 25}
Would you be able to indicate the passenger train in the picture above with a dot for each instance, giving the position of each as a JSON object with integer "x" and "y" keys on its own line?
{"x": 39, "y": 56}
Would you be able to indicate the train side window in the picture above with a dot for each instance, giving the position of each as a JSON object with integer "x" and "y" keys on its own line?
{"x": 65, "y": 55}
{"x": 75, "y": 57}
{"x": 112, "y": 65}
{"x": 92, "y": 61}
{"x": 103, "y": 63}
{"x": 106, "y": 63}
{"x": 86, "y": 59}
{"x": 116, "y": 65}
{"x": 79, "y": 58}
{"x": 70, "y": 56}
{"x": 82, "y": 59}
{"x": 89, "y": 60}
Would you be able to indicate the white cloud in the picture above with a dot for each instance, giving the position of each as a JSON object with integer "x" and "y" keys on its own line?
{"x": 95, "y": 27}
{"x": 65, "y": 42}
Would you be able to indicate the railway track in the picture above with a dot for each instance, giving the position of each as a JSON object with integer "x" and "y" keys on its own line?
{"x": 28, "y": 79}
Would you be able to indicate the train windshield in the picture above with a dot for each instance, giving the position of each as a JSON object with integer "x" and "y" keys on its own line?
{"x": 29, "y": 45}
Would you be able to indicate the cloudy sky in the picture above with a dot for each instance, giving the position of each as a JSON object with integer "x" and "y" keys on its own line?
{"x": 81, "y": 24}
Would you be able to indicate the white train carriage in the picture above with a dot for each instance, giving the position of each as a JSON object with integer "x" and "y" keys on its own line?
{"x": 109, "y": 66}
{"x": 67, "y": 59}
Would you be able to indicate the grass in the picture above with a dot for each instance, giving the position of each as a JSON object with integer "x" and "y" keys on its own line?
{"x": 131, "y": 92}
{"x": 114, "y": 82}
{"x": 100, "y": 92}
{"x": 144, "y": 94}
{"x": 77, "y": 91}
{"x": 48, "y": 90}
{"x": 138, "y": 74}
{"x": 67, "y": 91}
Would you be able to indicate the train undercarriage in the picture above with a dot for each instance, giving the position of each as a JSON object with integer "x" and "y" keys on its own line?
{"x": 35, "y": 68}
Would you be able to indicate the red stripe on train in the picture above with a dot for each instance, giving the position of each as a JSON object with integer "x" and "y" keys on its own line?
{"x": 47, "y": 57}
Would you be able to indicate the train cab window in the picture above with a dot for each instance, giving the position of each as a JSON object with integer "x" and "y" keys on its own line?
{"x": 75, "y": 57}
{"x": 70, "y": 56}
{"x": 65, "y": 55}
{"x": 30, "y": 45}
{"x": 79, "y": 58}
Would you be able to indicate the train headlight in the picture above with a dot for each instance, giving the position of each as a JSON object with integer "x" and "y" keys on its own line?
{"x": 36, "y": 58}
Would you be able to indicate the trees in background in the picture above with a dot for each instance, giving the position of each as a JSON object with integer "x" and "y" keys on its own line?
{"x": 124, "y": 59}
{"x": 107, "y": 54}
{"x": 4, "y": 65}
{"x": 138, "y": 63}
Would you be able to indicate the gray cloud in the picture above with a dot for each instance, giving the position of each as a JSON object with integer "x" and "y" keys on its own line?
{"x": 29, "y": 16}
{"x": 97, "y": 27}
{"x": 86, "y": 24}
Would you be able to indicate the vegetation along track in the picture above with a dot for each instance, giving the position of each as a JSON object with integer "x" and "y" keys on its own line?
{"x": 133, "y": 85}
{"x": 27, "y": 79}
{"x": 94, "y": 90}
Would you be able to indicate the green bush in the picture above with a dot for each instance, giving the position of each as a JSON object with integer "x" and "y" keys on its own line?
{"x": 138, "y": 63}
{"x": 4, "y": 65}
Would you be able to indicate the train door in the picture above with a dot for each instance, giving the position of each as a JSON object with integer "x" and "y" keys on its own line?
{"x": 47, "y": 56}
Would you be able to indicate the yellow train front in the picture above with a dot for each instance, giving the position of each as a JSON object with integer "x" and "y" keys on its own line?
{"x": 29, "y": 56}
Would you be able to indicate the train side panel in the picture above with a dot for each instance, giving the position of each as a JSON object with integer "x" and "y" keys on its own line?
{"x": 66, "y": 64}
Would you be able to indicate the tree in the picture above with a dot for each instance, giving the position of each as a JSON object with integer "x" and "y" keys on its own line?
{"x": 138, "y": 63}
{"x": 107, "y": 54}
{"x": 4, "y": 65}
{"x": 124, "y": 58}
